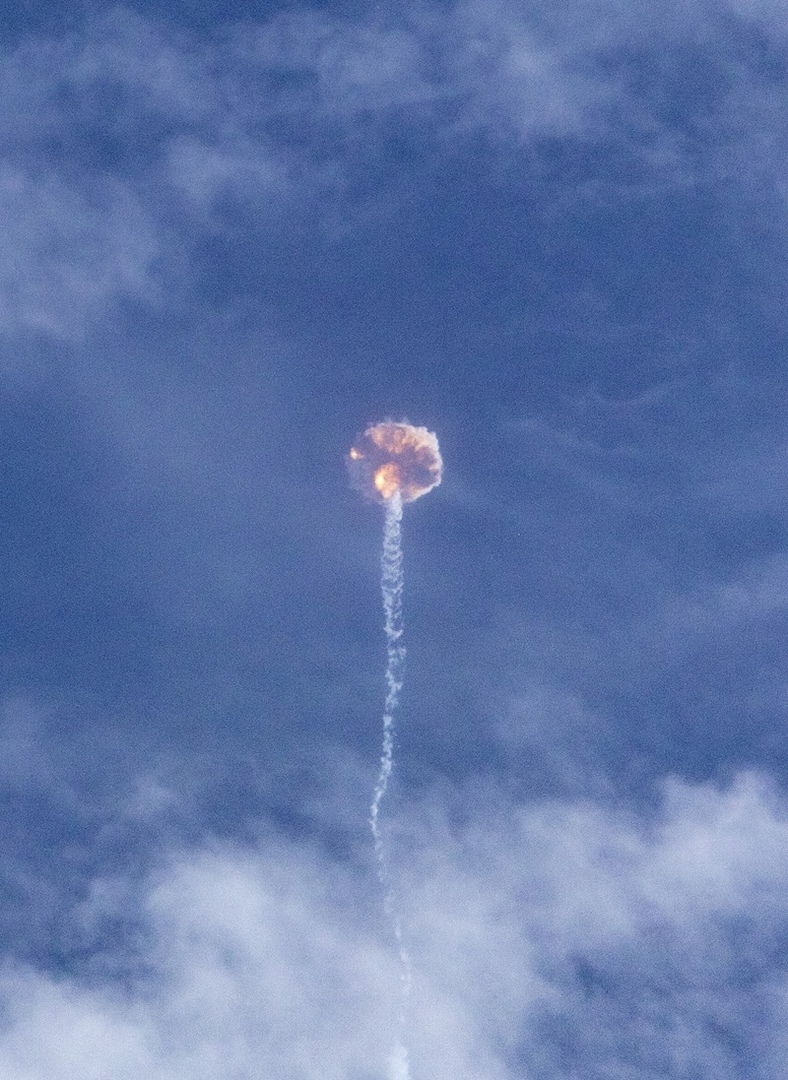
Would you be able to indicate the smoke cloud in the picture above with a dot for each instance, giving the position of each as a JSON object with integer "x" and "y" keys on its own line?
{"x": 391, "y": 458}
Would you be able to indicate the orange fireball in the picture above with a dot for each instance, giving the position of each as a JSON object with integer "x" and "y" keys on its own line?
{"x": 390, "y": 459}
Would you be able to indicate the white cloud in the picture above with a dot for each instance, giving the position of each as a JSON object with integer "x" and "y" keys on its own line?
{"x": 621, "y": 931}
{"x": 516, "y": 78}
{"x": 260, "y": 970}
{"x": 202, "y": 170}
{"x": 66, "y": 250}
{"x": 623, "y": 941}
{"x": 119, "y": 133}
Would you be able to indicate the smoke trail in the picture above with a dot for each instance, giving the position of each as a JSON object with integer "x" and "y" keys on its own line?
{"x": 391, "y": 586}
{"x": 391, "y": 463}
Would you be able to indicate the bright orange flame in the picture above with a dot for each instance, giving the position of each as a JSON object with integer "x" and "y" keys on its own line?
{"x": 387, "y": 480}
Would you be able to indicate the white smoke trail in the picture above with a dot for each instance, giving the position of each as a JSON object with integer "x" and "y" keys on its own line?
{"x": 391, "y": 583}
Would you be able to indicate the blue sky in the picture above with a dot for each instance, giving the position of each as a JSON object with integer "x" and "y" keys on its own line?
{"x": 554, "y": 234}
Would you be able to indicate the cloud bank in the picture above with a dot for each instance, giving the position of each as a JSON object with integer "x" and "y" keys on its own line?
{"x": 560, "y": 938}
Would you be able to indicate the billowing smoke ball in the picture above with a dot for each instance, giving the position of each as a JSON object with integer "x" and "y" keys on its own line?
{"x": 394, "y": 458}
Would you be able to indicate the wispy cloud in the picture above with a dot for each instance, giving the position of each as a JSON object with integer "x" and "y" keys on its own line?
{"x": 123, "y": 136}
{"x": 67, "y": 249}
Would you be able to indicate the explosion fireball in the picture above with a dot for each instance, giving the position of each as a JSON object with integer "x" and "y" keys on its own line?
{"x": 390, "y": 459}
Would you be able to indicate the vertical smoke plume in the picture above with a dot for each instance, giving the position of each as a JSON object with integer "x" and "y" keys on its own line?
{"x": 392, "y": 463}
{"x": 391, "y": 583}
{"x": 391, "y": 586}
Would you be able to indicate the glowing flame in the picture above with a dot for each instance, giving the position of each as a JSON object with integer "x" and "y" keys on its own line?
{"x": 395, "y": 457}
{"x": 387, "y": 480}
